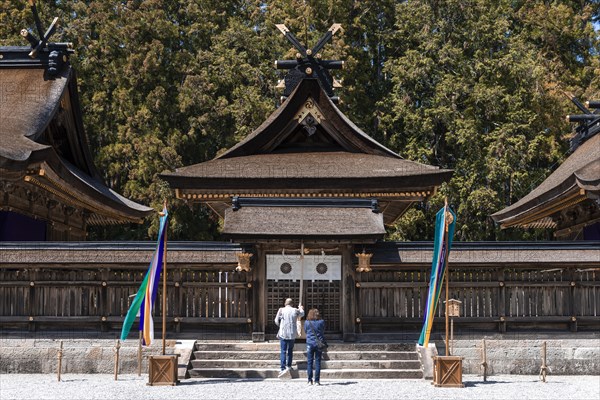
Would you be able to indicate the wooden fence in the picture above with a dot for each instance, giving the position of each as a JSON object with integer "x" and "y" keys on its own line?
{"x": 492, "y": 297}
{"x": 501, "y": 286}
{"x": 85, "y": 298}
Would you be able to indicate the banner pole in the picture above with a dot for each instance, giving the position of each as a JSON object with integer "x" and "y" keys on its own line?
{"x": 446, "y": 272}
{"x": 139, "y": 355}
{"x": 164, "y": 302}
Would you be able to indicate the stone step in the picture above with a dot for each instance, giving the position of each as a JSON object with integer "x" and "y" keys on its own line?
{"x": 274, "y": 346}
{"x": 301, "y": 364}
{"x": 264, "y": 373}
{"x": 342, "y": 360}
{"x": 301, "y": 355}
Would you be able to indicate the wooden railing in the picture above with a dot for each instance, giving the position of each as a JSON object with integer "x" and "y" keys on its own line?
{"x": 98, "y": 293}
{"x": 534, "y": 296}
{"x": 88, "y": 298}
{"x": 501, "y": 286}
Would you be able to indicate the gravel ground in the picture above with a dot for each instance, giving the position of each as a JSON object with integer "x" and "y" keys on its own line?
{"x": 72, "y": 386}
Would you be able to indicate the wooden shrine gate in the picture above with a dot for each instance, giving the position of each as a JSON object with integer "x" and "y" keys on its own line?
{"x": 319, "y": 279}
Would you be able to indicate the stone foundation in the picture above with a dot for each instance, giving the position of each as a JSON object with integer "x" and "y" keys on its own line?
{"x": 87, "y": 356}
{"x": 521, "y": 354}
{"x": 566, "y": 354}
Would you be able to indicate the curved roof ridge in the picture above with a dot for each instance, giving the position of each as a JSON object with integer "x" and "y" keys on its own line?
{"x": 563, "y": 179}
{"x": 272, "y": 127}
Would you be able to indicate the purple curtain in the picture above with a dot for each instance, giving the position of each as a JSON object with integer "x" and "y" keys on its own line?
{"x": 20, "y": 228}
{"x": 592, "y": 232}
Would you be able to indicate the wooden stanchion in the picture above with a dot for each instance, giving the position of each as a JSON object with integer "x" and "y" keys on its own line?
{"x": 544, "y": 369}
{"x": 60, "y": 355}
{"x": 117, "y": 347}
{"x": 484, "y": 363}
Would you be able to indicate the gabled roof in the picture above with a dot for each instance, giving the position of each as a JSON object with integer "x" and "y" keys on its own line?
{"x": 285, "y": 121}
{"x": 42, "y": 140}
{"x": 308, "y": 148}
{"x": 575, "y": 180}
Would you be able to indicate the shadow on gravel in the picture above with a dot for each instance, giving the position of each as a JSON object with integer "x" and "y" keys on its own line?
{"x": 338, "y": 383}
{"x": 224, "y": 380}
{"x": 475, "y": 384}
{"x": 188, "y": 382}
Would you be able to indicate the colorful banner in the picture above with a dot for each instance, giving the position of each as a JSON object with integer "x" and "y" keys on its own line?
{"x": 144, "y": 299}
{"x": 445, "y": 222}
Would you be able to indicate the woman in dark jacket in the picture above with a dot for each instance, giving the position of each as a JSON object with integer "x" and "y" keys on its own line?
{"x": 314, "y": 327}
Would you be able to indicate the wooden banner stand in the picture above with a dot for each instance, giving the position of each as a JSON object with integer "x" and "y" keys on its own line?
{"x": 447, "y": 371}
{"x": 163, "y": 370}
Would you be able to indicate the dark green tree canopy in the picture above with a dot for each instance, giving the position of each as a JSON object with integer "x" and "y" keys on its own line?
{"x": 476, "y": 86}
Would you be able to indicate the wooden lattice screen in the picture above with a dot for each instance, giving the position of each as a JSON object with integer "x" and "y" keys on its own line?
{"x": 324, "y": 295}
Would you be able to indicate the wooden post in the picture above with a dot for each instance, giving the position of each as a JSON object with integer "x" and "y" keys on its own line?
{"x": 117, "y": 347}
{"x": 60, "y": 355}
{"x": 31, "y": 311}
{"x": 104, "y": 298}
{"x": 484, "y": 363}
{"x": 301, "y": 270}
{"x": 257, "y": 295}
{"x": 501, "y": 301}
{"x": 452, "y": 335}
{"x": 572, "y": 303}
{"x": 299, "y": 321}
{"x": 350, "y": 296}
{"x": 139, "y": 355}
{"x": 178, "y": 299}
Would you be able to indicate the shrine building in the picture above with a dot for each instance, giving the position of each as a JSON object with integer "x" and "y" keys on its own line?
{"x": 568, "y": 200}
{"x": 51, "y": 190}
{"x": 304, "y": 193}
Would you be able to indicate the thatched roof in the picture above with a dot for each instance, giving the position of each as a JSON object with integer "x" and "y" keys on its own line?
{"x": 309, "y": 169}
{"x": 302, "y": 222}
{"x": 58, "y": 162}
{"x": 577, "y": 178}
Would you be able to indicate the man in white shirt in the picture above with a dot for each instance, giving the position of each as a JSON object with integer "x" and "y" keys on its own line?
{"x": 286, "y": 321}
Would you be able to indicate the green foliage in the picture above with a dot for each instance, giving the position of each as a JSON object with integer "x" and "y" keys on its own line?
{"x": 477, "y": 87}
{"x": 474, "y": 86}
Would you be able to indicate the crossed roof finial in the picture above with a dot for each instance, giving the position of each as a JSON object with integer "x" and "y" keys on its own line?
{"x": 308, "y": 63}
{"x": 589, "y": 121}
{"x": 57, "y": 52}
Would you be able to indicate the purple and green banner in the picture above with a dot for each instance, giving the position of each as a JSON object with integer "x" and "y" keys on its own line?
{"x": 144, "y": 299}
{"x": 445, "y": 222}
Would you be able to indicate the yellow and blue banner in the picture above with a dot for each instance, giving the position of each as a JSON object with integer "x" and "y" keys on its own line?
{"x": 445, "y": 222}
{"x": 144, "y": 299}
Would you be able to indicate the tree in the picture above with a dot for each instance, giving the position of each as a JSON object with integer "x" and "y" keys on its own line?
{"x": 475, "y": 90}
{"x": 473, "y": 86}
